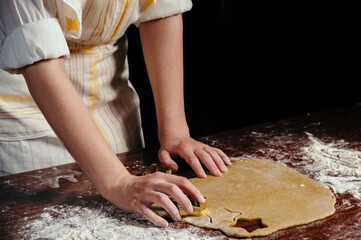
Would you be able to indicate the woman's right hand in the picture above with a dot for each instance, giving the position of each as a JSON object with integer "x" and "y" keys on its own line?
{"x": 71, "y": 120}
{"x": 138, "y": 193}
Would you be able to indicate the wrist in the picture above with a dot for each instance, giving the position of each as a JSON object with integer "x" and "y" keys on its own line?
{"x": 112, "y": 185}
{"x": 105, "y": 173}
{"x": 174, "y": 133}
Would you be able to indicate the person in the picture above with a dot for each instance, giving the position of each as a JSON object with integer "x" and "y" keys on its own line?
{"x": 65, "y": 95}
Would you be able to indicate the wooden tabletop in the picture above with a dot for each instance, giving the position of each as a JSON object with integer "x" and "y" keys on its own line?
{"x": 25, "y": 196}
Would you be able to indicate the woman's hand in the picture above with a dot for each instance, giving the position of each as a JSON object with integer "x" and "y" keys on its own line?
{"x": 162, "y": 42}
{"x": 136, "y": 194}
{"x": 194, "y": 153}
{"x": 69, "y": 117}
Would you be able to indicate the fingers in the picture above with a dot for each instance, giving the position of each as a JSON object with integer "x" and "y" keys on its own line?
{"x": 138, "y": 193}
{"x": 194, "y": 163}
{"x": 195, "y": 153}
{"x": 159, "y": 187}
{"x": 186, "y": 186}
{"x": 164, "y": 201}
{"x": 176, "y": 188}
{"x": 142, "y": 205}
{"x": 151, "y": 216}
{"x": 219, "y": 158}
{"x": 212, "y": 158}
{"x": 223, "y": 156}
{"x": 208, "y": 162}
{"x": 166, "y": 160}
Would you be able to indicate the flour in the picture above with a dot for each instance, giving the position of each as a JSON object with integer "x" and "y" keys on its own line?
{"x": 103, "y": 222}
{"x": 332, "y": 163}
{"x": 52, "y": 179}
{"x": 331, "y": 156}
{"x": 335, "y": 165}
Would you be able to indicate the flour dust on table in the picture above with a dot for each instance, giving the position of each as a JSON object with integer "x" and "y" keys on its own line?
{"x": 335, "y": 165}
{"x": 106, "y": 222}
{"x": 331, "y": 161}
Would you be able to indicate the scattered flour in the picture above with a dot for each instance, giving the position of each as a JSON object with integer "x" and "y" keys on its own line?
{"x": 331, "y": 156}
{"x": 330, "y": 163}
{"x": 52, "y": 180}
{"x": 334, "y": 165}
{"x": 104, "y": 222}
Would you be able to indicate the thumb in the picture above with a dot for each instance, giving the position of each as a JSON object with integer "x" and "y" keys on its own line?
{"x": 166, "y": 160}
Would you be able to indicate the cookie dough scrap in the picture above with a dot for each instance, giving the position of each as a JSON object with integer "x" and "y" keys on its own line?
{"x": 277, "y": 196}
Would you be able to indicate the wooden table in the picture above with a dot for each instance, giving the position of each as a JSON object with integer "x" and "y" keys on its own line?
{"x": 23, "y": 197}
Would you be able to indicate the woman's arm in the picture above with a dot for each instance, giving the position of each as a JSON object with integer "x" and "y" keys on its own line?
{"x": 66, "y": 113}
{"x": 72, "y": 122}
{"x": 162, "y": 42}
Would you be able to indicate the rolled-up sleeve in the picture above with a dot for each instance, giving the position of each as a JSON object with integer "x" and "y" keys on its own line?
{"x": 163, "y": 8}
{"x": 30, "y": 32}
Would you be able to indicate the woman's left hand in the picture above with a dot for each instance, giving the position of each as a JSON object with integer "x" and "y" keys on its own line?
{"x": 194, "y": 153}
{"x": 162, "y": 44}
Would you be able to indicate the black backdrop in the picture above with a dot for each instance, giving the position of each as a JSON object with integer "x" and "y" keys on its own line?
{"x": 249, "y": 62}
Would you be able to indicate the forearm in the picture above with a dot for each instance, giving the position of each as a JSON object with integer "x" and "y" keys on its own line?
{"x": 69, "y": 117}
{"x": 162, "y": 42}
{"x": 72, "y": 122}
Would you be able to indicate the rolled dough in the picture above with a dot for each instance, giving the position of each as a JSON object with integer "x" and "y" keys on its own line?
{"x": 274, "y": 194}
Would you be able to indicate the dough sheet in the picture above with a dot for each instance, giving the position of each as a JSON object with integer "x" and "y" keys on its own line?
{"x": 277, "y": 196}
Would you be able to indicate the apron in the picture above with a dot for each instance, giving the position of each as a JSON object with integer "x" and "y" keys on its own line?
{"x": 95, "y": 48}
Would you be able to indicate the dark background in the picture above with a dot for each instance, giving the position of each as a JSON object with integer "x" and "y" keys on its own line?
{"x": 249, "y": 62}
